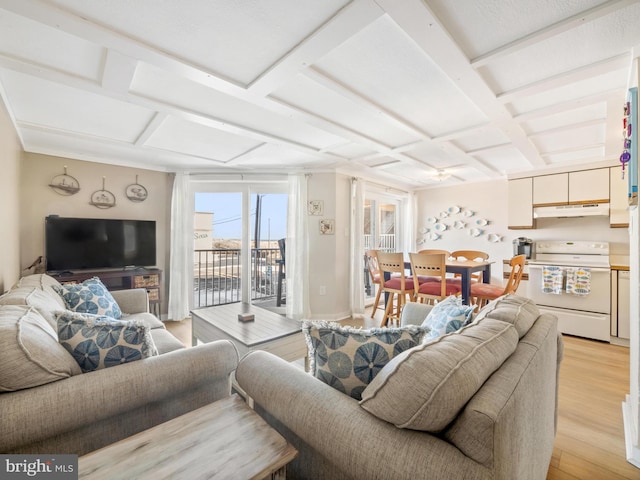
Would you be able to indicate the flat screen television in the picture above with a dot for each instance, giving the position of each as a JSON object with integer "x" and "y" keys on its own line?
{"x": 96, "y": 243}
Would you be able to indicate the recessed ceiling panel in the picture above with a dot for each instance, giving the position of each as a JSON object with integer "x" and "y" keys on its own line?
{"x": 350, "y": 150}
{"x": 345, "y": 113}
{"x": 504, "y": 160}
{"x": 279, "y": 157}
{"x": 576, "y": 138}
{"x": 481, "y": 138}
{"x": 117, "y": 153}
{"x": 172, "y": 89}
{"x": 594, "y": 111}
{"x": 591, "y": 42}
{"x": 615, "y": 80}
{"x": 584, "y": 155}
{"x": 383, "y": 65}
{"x": 57, "y": 106}
{"x": 237, "y": 40}
{"x": 432, "y": 154}
{"x": 25, "y": 39}
{"x": 481, "y": 26}
{"x": 177, "y": 135}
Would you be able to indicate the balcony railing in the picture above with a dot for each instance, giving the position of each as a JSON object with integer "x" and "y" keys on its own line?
{"x": 217, "y": 275}
{"x": 386, "y": 242}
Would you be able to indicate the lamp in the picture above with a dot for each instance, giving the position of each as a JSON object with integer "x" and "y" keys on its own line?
{"x": 441, "y": 176}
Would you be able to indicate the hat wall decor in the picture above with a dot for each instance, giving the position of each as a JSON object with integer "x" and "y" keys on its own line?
{"x": 103, "y": 198}
{"x": 65, "y": 184}
{"x": 136, "y": 192}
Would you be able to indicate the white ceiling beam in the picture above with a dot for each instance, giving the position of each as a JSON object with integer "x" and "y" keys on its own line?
{"x": 352, "y": 18}
{"x": 118, "y": 71}
{"x": 572, "y": 149}
{"x": 421, "y": 24}
{"x": 619, "y": 62}
{"x": 155, "y": 123}
{"x": 557, "y": 28}
{"x": 569, "y": 128}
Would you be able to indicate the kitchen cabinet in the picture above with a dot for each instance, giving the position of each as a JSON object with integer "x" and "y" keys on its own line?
{"x": 549, "y": 190}
{"x": 589, "y": 186}
{"x": 618, "y": 199}
{"x": 520, "y": 210}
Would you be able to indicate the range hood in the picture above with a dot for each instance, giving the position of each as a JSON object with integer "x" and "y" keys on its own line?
{"x": 587, "y": 210}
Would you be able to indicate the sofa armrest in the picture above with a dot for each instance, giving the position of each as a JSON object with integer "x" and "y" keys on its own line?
{"x": 60, "y": 407}
{"x": 414, "y": 313}
{"x": 333, "y": 426}
{"x": 135, "y": 300}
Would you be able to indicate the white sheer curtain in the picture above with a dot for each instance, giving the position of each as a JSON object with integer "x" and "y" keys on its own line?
{"x": 181, "y": 245}
{"x": 297, "y": 249}
{"x": 409, "y": 224}
{"x": 357, "y": 248}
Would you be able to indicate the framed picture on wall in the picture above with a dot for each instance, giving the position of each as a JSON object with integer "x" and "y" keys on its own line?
{"x": 315, "y": 207}
{"x": 327, "y": 226}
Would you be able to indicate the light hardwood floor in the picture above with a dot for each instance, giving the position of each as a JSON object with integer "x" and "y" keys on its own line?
{"x": 594, "y": 379}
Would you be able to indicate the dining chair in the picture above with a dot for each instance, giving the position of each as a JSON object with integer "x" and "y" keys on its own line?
{"x": 374, "y": 273}
{"x": 434, "y": 267}
{"x": 470, "y": 255}
{"x": 432, "y": 251}
{"x": 483, "y": 293}
{"x": 399, "y": 286}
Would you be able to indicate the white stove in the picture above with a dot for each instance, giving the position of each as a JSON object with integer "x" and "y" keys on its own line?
{"x": 585, "y": 312}
{"x": 571, "y": 253}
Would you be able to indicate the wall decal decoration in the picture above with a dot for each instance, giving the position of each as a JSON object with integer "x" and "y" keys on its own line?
{"x": 327, "y": 226}
{"x": 136, "y": 192}
{"x": 103, "y": 198}
{"x": 439, "y": 227}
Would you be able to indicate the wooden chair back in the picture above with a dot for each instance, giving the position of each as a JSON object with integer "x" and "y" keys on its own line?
{"x": 431, "y": 251}
{"x": 517, "y": 269}
{"x": 471, "y": 255}
{"x": 429, "y": 265}
{"x": 372, "y": 265}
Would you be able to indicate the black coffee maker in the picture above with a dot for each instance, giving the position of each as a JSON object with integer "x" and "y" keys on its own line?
{"x": 522, "y": 246}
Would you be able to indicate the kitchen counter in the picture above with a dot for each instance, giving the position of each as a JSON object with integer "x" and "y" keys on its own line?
{"x": 619, "y": 262}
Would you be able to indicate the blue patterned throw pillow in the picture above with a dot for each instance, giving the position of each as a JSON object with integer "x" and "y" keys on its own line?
{"x": 447, "y": 316}
{"x": 97, "y": 341}
{"x": 90, "y": 296}
{"x": 348, "y": 359}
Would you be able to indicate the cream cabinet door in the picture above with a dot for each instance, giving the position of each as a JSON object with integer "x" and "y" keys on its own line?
{"x": 551, "y": 189}
{"x": 589, "y": 186}
{"x": 520, "y": 211}
{"x": 618, "y": 200}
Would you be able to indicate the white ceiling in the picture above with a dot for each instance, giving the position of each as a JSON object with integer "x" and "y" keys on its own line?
{"x": 392, "y": 90}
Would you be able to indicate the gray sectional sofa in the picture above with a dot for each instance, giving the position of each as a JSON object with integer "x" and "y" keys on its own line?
{"x": 480, "y": 403}
{"x": 48, "y": 406}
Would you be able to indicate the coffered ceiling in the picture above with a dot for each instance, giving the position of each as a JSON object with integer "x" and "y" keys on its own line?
{"x": 392, "y": 90}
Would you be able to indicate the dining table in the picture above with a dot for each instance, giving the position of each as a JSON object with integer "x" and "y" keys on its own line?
{"x": 463, "y": 267}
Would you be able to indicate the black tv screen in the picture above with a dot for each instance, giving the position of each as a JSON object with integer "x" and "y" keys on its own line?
{"x": 94, "y": 243}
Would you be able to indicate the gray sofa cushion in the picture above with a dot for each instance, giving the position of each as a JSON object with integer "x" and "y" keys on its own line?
{"x": 426, "y": 387}
{"x": 30, "y": 354}
{"x": 521, "y": 312}
{"x": 43, "y": 282}
{"x": 42, "y": 300}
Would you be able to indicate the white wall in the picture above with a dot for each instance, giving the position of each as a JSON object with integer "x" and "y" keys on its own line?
{"x": 10, "y": 155}
{"x": 489, "y": 200}
{"x": 329, "y": 254}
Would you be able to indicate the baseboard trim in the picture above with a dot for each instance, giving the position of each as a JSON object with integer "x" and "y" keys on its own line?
{"x": 633, "y": 452}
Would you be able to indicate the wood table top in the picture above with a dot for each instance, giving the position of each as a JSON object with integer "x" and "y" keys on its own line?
{"x": 225, "y": 439}
{"x": 266, "y": 326}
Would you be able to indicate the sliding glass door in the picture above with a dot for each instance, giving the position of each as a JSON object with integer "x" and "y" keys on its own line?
{"x": 236, "y": 251}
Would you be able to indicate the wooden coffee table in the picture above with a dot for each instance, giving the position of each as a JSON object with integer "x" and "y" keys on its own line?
{"x": 223, "y": 440}
{"x": 269, "y": 331}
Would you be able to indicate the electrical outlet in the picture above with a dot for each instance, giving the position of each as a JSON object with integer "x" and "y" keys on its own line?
{"x": 323, "y": 290}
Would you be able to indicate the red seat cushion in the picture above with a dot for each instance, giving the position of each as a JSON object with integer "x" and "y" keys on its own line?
{"x": 395, "y": 284}
{"x": 424, "y": 279}
{"x": 433, "y": 288}
{"x": 486, "y": 290}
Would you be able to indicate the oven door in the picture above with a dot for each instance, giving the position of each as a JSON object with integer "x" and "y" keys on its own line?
{"x": 598, "y": 300}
